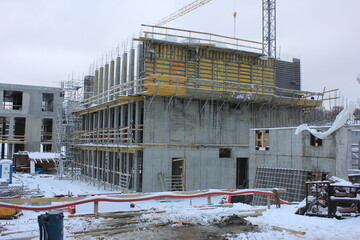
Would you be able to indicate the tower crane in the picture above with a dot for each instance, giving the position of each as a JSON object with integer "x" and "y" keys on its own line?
{"x": 182, "y": 11}
{"x": 268, "y": 22}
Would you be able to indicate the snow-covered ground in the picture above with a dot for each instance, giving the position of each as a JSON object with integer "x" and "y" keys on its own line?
{"x": 176, "y": 210}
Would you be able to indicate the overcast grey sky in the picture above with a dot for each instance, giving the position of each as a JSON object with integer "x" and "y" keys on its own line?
{"x": 42, "y": 42}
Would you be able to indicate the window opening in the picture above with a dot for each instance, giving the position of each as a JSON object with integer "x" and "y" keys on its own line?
{"x": 262, "y": 140}
{"x": 314, "y": 141}
{"x": 224, "y": 152}
{"x": 47, "y": 102}
{"x": 46, "y": 147}
{"x": 46, "y": 130}
{"x": 12, "y": 100}
{"x": 19, "y": 128}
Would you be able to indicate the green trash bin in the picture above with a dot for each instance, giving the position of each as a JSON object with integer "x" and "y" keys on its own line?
{"x": 51, "y": 225}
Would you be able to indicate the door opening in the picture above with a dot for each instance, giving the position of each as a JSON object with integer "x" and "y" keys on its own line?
{"x": 242, "y": 175}
{"x": 178, "y": 174}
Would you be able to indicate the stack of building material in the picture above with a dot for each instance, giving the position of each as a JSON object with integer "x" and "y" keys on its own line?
{"x": 293, "y": 180}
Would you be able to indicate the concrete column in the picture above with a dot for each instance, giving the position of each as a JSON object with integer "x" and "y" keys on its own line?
{"x": 105, "y": 118}
{"x": 107, "y": 165}
{"x": 93, "y": 160}
{"x": 137, "y": 121}
{"x": 122, "y": 122}
{"x": 113, "y": 167}
{"x": 130, "y": 118}
{"x": 102, "y": 167}
{"x": 10, "y": 151}
{"x": 11, "y": 127}
{"x": 117, "y": 71}
{"x": 116, "y": 117}
{"x": 96, "y": 82}
{"x": 131, "y": 70}
{"x": 98, "y": 157}
{"x": 139, "y": 67}
{"x": 130, "y": 123}
{"x": 123, "y": 79}
{"x": 112, "y": 67}
{"x": 137, "y": 171}
{"x": 99, "y": 124}
{"x": 101, "y": 81}
{"x": 106, "y": 81}
{"x": 32, "y": 166}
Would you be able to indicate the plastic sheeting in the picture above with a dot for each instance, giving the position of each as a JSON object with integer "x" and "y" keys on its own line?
{"x": 340, "y": 120}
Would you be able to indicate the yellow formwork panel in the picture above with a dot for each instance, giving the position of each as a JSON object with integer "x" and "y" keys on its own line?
{"x": 163, "y": 90}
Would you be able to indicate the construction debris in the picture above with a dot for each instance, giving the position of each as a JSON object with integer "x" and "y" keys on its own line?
{"x": 332, "y": 198}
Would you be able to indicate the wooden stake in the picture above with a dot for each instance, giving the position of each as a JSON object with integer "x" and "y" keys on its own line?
{"x": 287, "y": 230}
{"x": 96, "y": 207}
{"x": 253, "y": 210}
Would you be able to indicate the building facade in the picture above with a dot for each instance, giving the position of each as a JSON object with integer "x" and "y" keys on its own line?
{"x": 28, "y": 117}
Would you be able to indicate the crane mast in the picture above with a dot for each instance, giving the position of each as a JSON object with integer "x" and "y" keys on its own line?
{"x": 269, "y": 28}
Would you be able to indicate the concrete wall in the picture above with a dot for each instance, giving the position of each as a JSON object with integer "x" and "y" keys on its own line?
{"x": 287, "y": 150}
{"x": 196, "y": 130}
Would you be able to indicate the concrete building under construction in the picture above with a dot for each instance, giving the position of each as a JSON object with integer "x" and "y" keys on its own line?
{"x": 28, "y": 117}
{"x": 174, "y": 112}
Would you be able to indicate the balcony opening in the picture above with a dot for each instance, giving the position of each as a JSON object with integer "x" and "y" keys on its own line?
{"x": 12, "y": 100}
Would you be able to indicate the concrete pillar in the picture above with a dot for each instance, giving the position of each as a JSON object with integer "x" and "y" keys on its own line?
{"x": 101, "y": 82}
{"x": 112, "y": 67}
{"x": 96, "y": 82}
{"x": 123, "y": 79}
{"x": 97, "y": 174}
{"x": 11, "y": 127}
{"x": 102, "y": 167}
{"x": 106, "y": 81}
{"x": 117, "y": 71}
{"x": 130, "y": 123}
{"x": 93, "y": 160}
{"x": 139, "y": 67}
{"x": 32, "y": 166}
{"x": 105, "y": 118}
{"x": 10, "y": 151}
{"x": 122, "y": 122}
{"x": 113, "y": 167}
{"x": 137, "y": 121}
{"x": 116, "y": 117}
{"x": 107, "y": 166}
{"x": 131, "y": 70}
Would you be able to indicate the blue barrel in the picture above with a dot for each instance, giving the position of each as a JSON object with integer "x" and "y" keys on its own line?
{"x": 51, "y": 225}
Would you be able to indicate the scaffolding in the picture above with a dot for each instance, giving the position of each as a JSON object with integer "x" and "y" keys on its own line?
{"x": 66, "y": 126}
